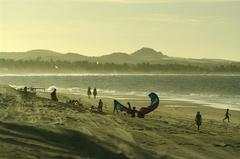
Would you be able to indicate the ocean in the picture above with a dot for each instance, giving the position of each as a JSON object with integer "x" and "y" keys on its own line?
{"x": 220, "y": 91}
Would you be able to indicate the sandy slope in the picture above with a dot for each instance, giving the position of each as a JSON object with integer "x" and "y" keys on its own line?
{"x": 40, "y": 128}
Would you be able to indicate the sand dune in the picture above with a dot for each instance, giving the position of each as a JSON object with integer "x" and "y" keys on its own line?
{"x": 40, "y": 128}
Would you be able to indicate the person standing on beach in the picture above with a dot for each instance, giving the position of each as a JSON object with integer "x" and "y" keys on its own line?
{"x": 54, "y": 95}
{"x": 100, "y": 105}
{"x": 198, "y": 120}
{"x": 129, "y": 108}
{"x": 25, "y": 92}
{"x": 89, "y": 92}
{"x": 95, "y": 92}
{"x": 227, "y": 114}
{"x": 133, "y": 111}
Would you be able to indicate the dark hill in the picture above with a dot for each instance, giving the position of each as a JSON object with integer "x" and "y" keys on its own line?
{"x": 140, "y": 56}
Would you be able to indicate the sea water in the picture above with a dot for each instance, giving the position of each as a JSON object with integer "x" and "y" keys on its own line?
{"x": 221, "y": 91}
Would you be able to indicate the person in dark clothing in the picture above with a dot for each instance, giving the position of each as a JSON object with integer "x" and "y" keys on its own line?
{"x": 129, "y": 108}
{"x": 89, "y": 92}
{"x": 133, "y": 111}
{"x": 25, "y": 90}
{"x": 25, "y": 94}
{"x": 100, "y": 105}
{"x": 54, "y": 95}
{"x": 227, "y": 114}
{"x": 198, "y": 120}
{"x": 95, "y": 92}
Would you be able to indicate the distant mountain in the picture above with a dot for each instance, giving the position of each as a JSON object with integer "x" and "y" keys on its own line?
{"x": 44, "y": 55}
{"x": 143, "y": 55}
{"x": 140, "y": 56}
{"x": 148, "y": 53}
{"x": 118, "y": 58}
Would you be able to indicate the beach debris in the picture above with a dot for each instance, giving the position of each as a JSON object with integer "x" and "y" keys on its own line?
{"x": 221, "y": 144}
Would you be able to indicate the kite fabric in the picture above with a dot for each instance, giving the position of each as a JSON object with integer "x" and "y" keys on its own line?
{"x": 144, "y": 110}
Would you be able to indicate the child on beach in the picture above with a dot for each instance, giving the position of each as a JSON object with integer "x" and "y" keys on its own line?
{"x": 198, "y": 120}
{"x": 227, "y": 114}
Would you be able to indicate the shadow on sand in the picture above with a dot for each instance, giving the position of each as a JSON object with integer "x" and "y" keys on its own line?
{"x": 38, "y": 142}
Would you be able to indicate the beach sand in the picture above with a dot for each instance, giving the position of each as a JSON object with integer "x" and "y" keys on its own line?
{"x": 40, "y": 128}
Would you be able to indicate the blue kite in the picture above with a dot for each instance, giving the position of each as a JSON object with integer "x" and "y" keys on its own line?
{"x": 144, "y": 110}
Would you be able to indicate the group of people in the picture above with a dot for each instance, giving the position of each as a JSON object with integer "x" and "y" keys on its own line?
{"x": 89, "y": 92}
{"x": 198, "y": 118}
{"x": 131, "y": 110}
{"x": 76, "y": 103}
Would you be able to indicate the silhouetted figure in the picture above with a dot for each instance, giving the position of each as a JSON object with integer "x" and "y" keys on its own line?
{"x": 25, "y": 94}
{"x": 25, "y": 90}
{"x": 227, "y": 114}
{"x": 89, "y": 92}
{"x": 129, "y": 108}
{"x": 54, "y": 95}
{"x": 198, "y": 120}
{"x": 95, "y": 92}
{"x": 133, "y": 111}
{"x": 100, "y": 105}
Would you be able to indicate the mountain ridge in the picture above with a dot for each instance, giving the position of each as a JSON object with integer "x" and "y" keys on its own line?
{"x": 143, "y": 55}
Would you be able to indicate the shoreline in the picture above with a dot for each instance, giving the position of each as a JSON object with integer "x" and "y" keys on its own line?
{"x": 145, "y": 98}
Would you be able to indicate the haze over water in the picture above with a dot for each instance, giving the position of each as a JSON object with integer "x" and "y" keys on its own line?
{"x": 213, "y": 90}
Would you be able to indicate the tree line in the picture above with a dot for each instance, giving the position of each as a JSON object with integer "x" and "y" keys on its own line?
{"x": 38, "y": 66}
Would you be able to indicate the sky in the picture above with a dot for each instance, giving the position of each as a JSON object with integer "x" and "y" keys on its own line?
{"x": 180, "y": 28}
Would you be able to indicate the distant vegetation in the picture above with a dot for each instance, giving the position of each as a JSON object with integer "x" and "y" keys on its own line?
{"x": 38, "y": 66}
{"x": 145, "y": 60}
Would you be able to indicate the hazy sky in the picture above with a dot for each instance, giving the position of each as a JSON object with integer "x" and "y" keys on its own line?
{"x": 183, "y": 28}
